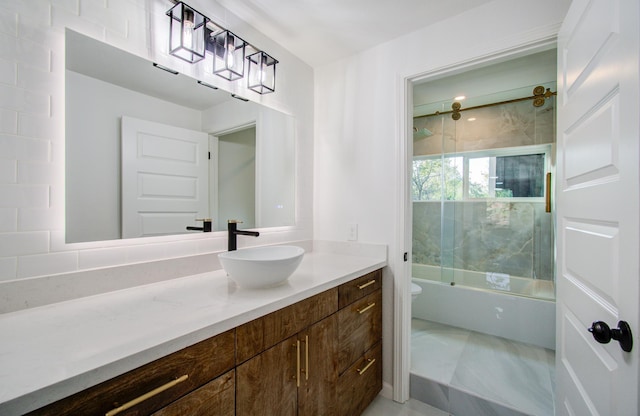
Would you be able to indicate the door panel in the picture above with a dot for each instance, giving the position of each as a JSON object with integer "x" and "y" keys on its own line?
{"x": 266, "y": 384}
{"x": 164, "y": 178}
{"x": 596, "y": 272}
{"x": 597, "y": 205}
{"x": 317, "y": 394}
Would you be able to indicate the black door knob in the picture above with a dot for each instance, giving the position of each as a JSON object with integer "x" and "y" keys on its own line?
{"x": 603, "y": 334}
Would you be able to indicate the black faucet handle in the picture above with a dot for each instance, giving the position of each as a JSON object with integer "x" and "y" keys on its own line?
{"x": 234, "y": 222}
{"x": 206, "y": 224}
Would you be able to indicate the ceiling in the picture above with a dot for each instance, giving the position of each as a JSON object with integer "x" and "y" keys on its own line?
{"x": 322, "y": 31}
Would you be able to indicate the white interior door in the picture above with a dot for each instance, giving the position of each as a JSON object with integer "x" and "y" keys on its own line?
{"x": 597, "y": 206}
{"x": 164, "y": 178}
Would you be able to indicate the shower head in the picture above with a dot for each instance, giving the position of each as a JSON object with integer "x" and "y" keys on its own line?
{"x": 421, "y": 134}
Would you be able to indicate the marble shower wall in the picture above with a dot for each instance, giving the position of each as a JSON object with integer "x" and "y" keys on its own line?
{"x": 506, "y": 125}
{"x": 514, "y": 238}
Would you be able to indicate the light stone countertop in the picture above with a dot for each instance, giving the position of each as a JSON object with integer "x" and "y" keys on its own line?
{"x": 53, "y": 351}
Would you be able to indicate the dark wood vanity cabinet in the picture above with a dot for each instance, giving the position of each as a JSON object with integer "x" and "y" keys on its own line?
{"x": 297, "y": 375}
{"x": 319, "y": 356}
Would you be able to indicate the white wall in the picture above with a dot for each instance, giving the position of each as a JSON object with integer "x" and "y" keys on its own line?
{"x": 32, "y": 132}
{"x": 358, "y": 121}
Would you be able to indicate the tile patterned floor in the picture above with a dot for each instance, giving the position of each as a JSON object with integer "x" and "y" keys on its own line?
{"x": 469, "y": 373}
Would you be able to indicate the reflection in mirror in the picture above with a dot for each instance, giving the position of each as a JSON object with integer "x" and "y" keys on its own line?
{"x": 149, "y": 152}
{"x": 236, "y": 169}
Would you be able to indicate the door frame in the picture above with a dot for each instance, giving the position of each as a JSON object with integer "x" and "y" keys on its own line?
{"x": 540, "y": 41}
{"x": 214, "y": 148}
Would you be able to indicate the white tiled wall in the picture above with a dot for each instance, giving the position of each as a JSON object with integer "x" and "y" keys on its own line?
{"x": 32, "y": 130}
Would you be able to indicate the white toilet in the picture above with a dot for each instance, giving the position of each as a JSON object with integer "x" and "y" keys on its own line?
{"x": 415, "y": 290}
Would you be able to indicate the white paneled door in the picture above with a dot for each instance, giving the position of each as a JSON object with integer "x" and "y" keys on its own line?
{"x": 598, "y": 207}
{"x": 164, "y": 178}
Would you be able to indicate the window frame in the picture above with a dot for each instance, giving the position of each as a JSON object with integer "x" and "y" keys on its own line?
{"x": 545, "y": 149}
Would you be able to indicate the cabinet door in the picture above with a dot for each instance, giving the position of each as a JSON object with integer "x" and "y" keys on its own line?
{"x": 317, "y": 394}
{"x": 266, "y": 384}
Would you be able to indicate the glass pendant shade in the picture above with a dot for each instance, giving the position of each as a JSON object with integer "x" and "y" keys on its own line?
{"x": 187, "y": 33}
{"x": 262, "y": 73}
{"x": 228, "y": 55}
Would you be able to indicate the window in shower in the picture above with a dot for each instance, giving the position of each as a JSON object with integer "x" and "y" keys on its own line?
{"x": 439, "y": 178}
{"x": 497, "y": 174}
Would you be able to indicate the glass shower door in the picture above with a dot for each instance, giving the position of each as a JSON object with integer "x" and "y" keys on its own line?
{"x": 480, "y": 184}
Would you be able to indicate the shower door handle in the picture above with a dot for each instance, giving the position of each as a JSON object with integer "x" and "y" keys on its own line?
{"x": 603, "y": 334}
{"x": 547, "y": 196}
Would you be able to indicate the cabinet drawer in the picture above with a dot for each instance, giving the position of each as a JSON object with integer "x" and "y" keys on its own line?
{"x": 263, "y": 333}
{"x": 361, "y": 383}
{"x": 201, "y": 363}
{"x": 359, "y": 288}
{"x": 216, "y": 398}
{"x": 359, "y": 328}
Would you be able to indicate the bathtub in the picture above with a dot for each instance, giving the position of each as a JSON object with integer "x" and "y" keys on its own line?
{"x": 515, "y": 308}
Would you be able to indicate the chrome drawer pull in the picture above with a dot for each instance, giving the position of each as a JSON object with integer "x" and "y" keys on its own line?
{"x": 146, "y": 396}
{"x": 369, "y": 306}
{"x": 370, "y": 362}
{"x": 369, "y": 283}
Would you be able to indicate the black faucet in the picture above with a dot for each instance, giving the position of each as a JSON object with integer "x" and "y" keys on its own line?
{"x": 206, "y": 226}
{"x": 234, "y": 232}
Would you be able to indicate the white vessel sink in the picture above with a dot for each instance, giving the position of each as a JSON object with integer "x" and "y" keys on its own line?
{"x": 259, "y": 267}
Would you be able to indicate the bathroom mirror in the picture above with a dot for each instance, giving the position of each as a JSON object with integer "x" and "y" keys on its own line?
{"x": 148, "y": 151}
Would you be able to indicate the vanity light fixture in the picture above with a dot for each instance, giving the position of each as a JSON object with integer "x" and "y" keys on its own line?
{"x": 262, "y": 73}
{"x": 186, "y": 33}
{"x": 192, "y": 34}
{"x": 228, "y": 55}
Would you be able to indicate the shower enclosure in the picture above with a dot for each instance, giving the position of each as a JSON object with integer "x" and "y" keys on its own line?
{"x": 483, "y": 212}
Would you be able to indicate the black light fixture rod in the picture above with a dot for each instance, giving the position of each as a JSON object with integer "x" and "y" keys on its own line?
{"x": 164, "y": 68}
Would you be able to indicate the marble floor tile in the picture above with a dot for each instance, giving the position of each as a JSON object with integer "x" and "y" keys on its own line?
{"x": 481, "y": 374}
{"x": 507, "y": 372}
{"x": 465, "y": 404}
{"x": 429, "y": 391}
{"x": 438, "y": 348}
